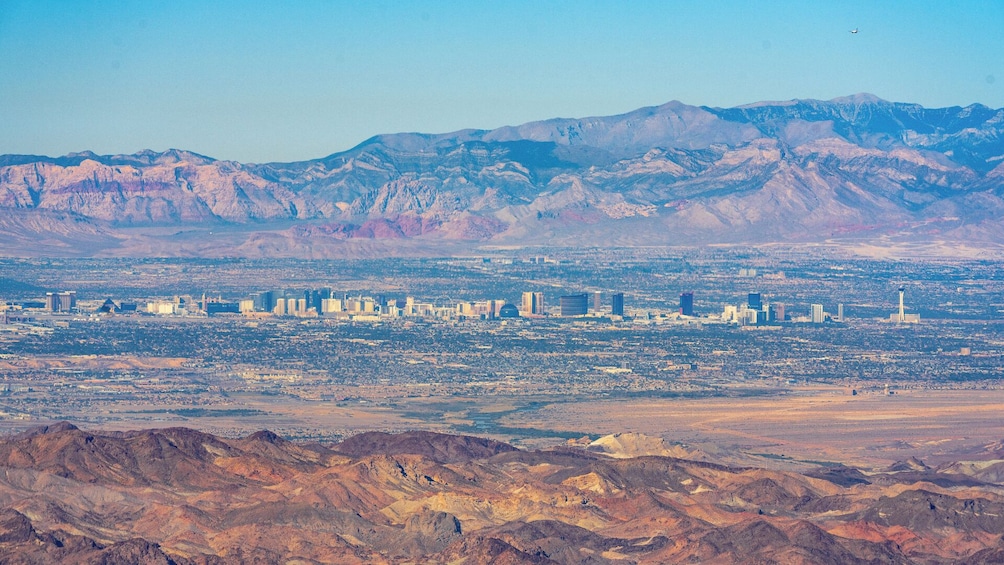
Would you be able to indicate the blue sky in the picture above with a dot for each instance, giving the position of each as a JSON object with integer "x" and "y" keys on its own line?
{"x": 280, "y": 81}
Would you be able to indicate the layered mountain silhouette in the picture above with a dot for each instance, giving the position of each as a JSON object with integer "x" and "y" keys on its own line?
{"x": 181, "y": 496}
{"x": 803, "y": 170}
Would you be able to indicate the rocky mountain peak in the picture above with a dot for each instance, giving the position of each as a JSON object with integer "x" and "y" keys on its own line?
{"x": 860, "y": 99}
{"x": 670, "y": 174}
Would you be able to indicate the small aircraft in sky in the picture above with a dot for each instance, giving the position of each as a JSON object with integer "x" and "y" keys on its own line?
{"x": 855, "y": 30}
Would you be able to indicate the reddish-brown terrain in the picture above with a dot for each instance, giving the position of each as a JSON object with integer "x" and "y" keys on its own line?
{"x": 182, "y": 496}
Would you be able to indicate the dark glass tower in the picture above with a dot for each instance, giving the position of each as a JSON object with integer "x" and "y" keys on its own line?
{"x": 574, "y": 305}
{"x": 687, "y": 304}
{"x": 617, "y": 304}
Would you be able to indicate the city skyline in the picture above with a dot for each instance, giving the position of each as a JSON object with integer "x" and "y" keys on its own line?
{"x": 325, "y": 302}
{"x": 879, "y": 404}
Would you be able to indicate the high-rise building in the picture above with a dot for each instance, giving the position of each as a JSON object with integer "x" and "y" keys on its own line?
{"x": 840, "y": 312}
{"x": 776, "y": 312}
{"x": 532, "y": 304}
{"x": 315, "y": 298}
{"x": 597, "y": 301}
{"x": 731, "y": 314}
{"x": 617, "y": 304}
{"x": 574, "y": 305}
{"x": 220, "y": 307}
{"x": 687, "y": 304}
{"x": 526, "y": 304}
{"x": 60, "y": 301}
{"x": 817, "y": 314}
{"x": 265, "y": 301}
{"x": 280, "y": 307}
{"x": 754, "y": 302}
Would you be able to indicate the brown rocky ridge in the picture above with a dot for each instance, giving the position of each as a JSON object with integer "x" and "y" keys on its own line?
{"x": 181, "y": 496}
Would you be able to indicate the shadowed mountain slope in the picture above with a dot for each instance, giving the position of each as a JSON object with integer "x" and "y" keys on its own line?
{"x": 181, "y": 496}
{"x": 441, "y": 448}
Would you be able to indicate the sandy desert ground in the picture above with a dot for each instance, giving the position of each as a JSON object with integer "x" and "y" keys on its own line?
{"x": 812, "y": 424}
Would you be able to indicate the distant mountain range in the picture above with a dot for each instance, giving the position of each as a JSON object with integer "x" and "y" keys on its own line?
{"x": 850, "y": 169}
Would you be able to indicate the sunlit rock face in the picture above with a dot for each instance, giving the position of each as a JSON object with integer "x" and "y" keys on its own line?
{"x": 803, "y": 170}
{"x": 178, "y": 495}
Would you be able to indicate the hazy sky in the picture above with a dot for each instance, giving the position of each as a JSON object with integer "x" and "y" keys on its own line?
{"x": 279, "y": 81}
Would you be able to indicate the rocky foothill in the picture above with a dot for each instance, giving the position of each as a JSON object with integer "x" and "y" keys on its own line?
{"x": 181, "y": 496}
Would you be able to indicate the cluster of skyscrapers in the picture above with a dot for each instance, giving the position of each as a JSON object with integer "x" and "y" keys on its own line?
{"x": 756, "y": 312}
{"x": 323, "y": 302}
